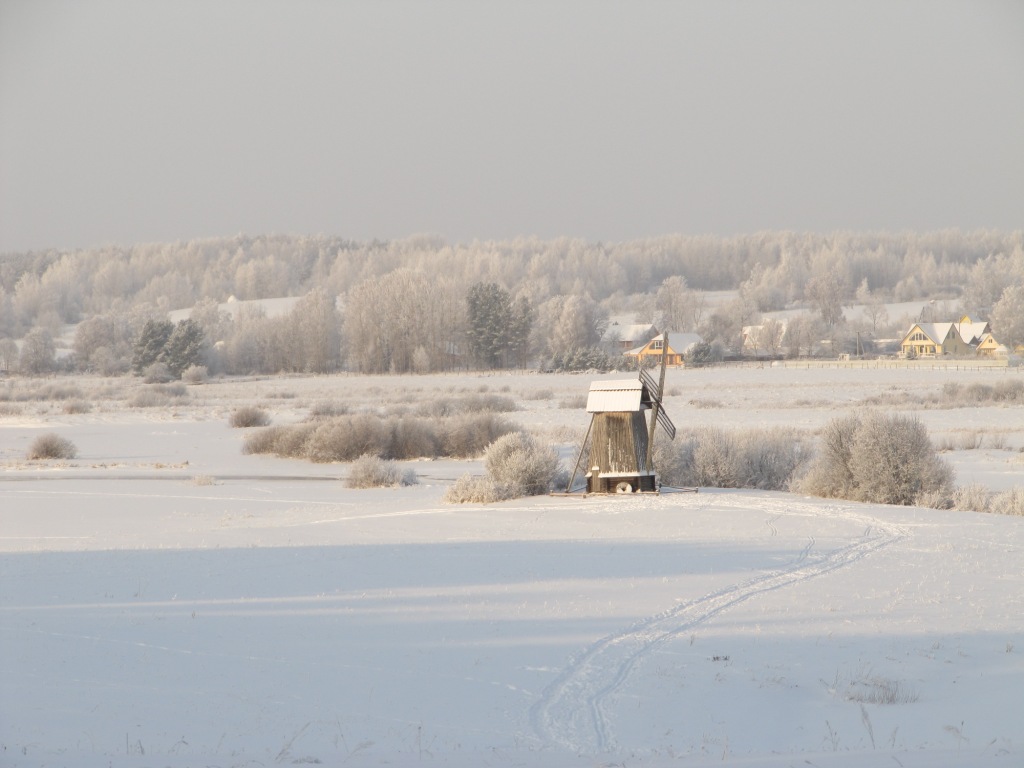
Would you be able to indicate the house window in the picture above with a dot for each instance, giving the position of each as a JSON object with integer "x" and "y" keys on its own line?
{"x": 657, "y": 344}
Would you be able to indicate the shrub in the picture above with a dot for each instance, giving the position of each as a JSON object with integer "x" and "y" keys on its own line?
{"x": 195, "y": 374}
{"x": 1008, "y": 391}
{"x": 76, "y": 406}
{"x": 479, "y": 403}
{"x": 973, "y": 497}
{"x": 249, "y": 416}
{"x": 413, "y": 439}
{"x": 538, "y": 394}
{"x": 158, "y": 396}
{"x": 286, "y": 441}
{"x": 348, "y": 438}
{"x": 327, "y": 410}
{"x": 709, "y": 456}
{"x": 204, "y": 480}
{"x": 470, "y": 489}
{"x": 881, "y": 459}
{"x": 156, "y": 373}
{"x": 374, "y": 472}
{"x": 574, "y": 402}
{"x": 519, "y": 463}
{"x": 468, "y": 436}
{"x": 1009, "y": 502}
{"x": 51, "y": 446}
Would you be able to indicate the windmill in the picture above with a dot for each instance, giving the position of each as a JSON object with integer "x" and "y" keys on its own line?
{"x": 620, "y": 437}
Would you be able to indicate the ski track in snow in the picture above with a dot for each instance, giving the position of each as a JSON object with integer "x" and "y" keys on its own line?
{"x": 571, "y": 711}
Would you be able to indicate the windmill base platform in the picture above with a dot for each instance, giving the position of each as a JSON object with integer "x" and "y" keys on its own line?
{"x": 605, "y": 482}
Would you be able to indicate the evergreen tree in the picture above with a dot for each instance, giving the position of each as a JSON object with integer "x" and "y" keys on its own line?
{"x": 489, "y": 320}
{"x": 150, "y": 346}
{"x": 184, "y": 347}
{"x": 519, "y": 329}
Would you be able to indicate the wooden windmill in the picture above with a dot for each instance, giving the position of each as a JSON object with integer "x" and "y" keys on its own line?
{"x": 621, "y": 437}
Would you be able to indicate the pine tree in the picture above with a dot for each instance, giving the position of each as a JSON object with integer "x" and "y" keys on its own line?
{"x": 489, "y": 317}
{"x": 150, "y": 346}
{"x": 184, "y": 347}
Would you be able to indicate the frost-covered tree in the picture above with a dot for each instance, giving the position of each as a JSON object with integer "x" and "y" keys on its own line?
{"x": 826, "y": 292}
{"x": 673, "y": 303}
{"x": 8, "y": 354}
{"x": 1008, "y": 317}
{"x": 38, "y": 352}
{"x": 873, "y": 307}
{"x": 319, "y": 324}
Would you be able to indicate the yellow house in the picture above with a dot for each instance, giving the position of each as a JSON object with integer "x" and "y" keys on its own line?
{"x": 989, "y": 347}
{"x": 933, "y": 340}
{"x": 972, "y": 331}
{"x": 653, "y": 350}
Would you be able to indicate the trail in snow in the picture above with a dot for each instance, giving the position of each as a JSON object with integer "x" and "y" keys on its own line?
{"x": 571, "y": 711}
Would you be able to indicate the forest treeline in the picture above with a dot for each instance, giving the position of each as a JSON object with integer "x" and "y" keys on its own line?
{"x": 407, "y": 305}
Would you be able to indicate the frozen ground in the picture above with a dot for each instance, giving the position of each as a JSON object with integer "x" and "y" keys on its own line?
{"x": 275, "y": 617}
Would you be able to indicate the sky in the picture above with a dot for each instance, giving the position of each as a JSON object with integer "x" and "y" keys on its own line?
{"x": 125, "y": 122}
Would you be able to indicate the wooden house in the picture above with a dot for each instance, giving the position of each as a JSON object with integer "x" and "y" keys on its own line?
{"x": 933, "y": 340}
{"x": 972, "y": 331}
{"x": 622, "y": 337}
{"x": 657, "y": 349}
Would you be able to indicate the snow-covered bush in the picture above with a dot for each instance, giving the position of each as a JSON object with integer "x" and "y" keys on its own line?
{"x": 972, "y": 497}
{"x": 1009, "y": 502}
{"x": 156, "y": 373}
{"x": 158, "y": 396}
{"x": 474, "y": 489}
{"x": 468, "y": 436}
{"x": 713, "y": 457}
{"x": 877, "y": 458}
{"x": 249, "y": 416}
{"x": 51, "y": 446}
{"x": 370, "y": 471}
{"x": 346, "y": 438}
{"x": 195, "y": 374}
{"x": 285, "y": 441}
{"x": 521, "y": 464}
{"x": 475, "y": 403}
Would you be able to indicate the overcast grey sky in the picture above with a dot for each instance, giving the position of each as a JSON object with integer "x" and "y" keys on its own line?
{"x": 126, "y": 122}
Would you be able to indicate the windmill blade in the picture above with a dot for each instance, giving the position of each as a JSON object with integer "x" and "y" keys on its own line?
{"x": 666, "y": 424}
{"x": 652, "y": 386}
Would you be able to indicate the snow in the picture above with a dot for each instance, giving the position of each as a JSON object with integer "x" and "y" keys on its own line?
{"x": 276, "y": 617}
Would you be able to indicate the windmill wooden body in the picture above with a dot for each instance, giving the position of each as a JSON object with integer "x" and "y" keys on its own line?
{"x": 620, "y": 437}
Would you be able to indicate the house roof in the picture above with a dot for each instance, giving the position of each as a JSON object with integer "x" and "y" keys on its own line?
{"x": 937, "y": 332}
{"x": 683, "y": 342}
{"x": 678, "y": 343}
{"x": 971, "y": 332}
{"x": 631, "y": 332}
{"x": 619, "y": 396}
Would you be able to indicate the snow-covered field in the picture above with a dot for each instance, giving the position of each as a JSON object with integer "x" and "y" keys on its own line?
{"x": 166, "y": 600}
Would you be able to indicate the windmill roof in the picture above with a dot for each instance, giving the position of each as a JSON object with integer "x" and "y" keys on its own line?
{"x": 619, "y": 396}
